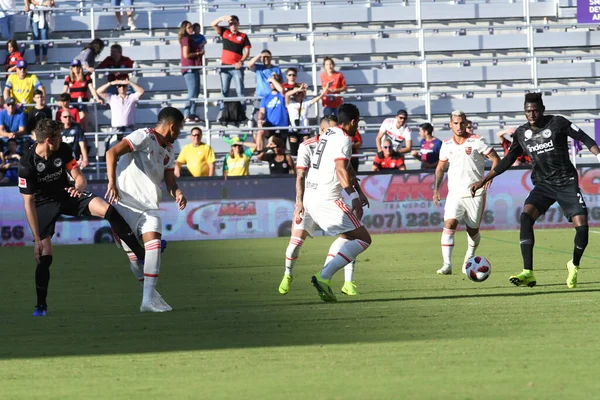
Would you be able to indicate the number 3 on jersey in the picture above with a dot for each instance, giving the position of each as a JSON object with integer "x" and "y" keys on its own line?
{"x": 319, "y": 153}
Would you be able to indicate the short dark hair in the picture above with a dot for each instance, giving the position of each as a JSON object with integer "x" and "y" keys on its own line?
{"x": 46, "y": 129}
{"x": 347, "y": 112}
{"x": 196, "y": 128}
{"x": 427, "y": 127}
{"x": 170, "y": 115}
{"x": 118, "y": 47}
{"x": 402, "y": 112}
{"x": 534, "y": 98}
{"x": 38, "y": 91}
{"x": 195, "y": 25}
{"x": 329, "y": 118}
{"x": 267, "y": 51}
{"x": 292, "y": 69}
{"x": 235, "y": 18}
{"x": 64, "y": 97}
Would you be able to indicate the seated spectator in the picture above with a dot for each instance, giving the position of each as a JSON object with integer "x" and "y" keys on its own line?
{"x": 397, "y": 131}
{"x": 89, "y": 54}
{"x": 199, "y": 157}
{"x": 79, "y": 85}
{"x": 37, "y": 112}
{"x": 430, "y": 147}
{"x": 272, "y": 113}
{"x": 237, "y": 162}
{"x": 297, "y": 107}
{"x": 9, "y": 162}
{"x": 338, "y": 85}
{"x": 22, "y": 85}
{"x": 291, "y": 74}
{"x": 279, "y": 161}
{"x": 72, "y": 134}
{"x": 64, "y": 103}
{"x": 114, "y": 61}
{"x": 388, "y": 158}
{"x": 13, "y": 57}
{"x": 506, "y": 138}
{"x": 12, "y": 123}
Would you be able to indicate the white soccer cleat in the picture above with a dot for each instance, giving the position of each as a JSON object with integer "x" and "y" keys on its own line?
{"x": 156, "y": 297}
{"x": 154, "y": 306}
{"x": 445, "y": 270}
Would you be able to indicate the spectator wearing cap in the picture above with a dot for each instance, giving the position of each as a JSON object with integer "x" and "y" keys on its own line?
{"x": 199, "y": 157}
{"x": 64, "y": 103}
{"x": 22, "y": 85}
{"x": 79, "y": 85}
{"x": 191, "y": 56}
{"x": 263, "y": 70}
{"x": 337, "y": 85}
{"x": 388, "y": 158}
{"x": 237, "y": 161}
{"x": 38, "y": 112}
{"x": 89, "y": 54}
{"x": 429, "y": 155}
{"x": 13, "y": 57}
{"x": 72, "y": 134}
{"x": 114, "y": 61}
{"x": 236, "y": 49}
{"x": 41, "y": 21}
{"x": 12, "y": 122}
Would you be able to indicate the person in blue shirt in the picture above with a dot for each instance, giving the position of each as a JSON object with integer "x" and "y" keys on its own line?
{"x": 263, "y": 70}
{"x": 12, "y": 122}
{"x": 197, "y": 37}
{"x": 430, "y": 147}
{"x": 272, "y": 113}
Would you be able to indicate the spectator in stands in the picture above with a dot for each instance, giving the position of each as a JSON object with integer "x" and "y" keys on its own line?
{"x": 338, "y": 85}
{"x": 118, "y": 13}
{"x": 9, "y": 162}
{"x": 237, "y": 162}
{"x": 429, "y": 154}
{"x": 357, "y": 143}
{"x": 191, "y": 56}
{"x": 41, "y": 21}
{"x": 64, "y": 103}
{"x": 89, "y": 54}
{"x": 297, "y": 107}
{"x": 272, "y": 113}
{"x": 116, "y": 60}
{"x": 388, "y": 158}
{"x": 7, "y": 25}
{"x": 397, "y": 131}
{"x": 122, "y": 107}
{"x": 470, "y": 128}
{"x": 199, "y": 157}
{"x": 506, "y": 138}
{"x": 72, "y": 134}
{"x": 236, "y": 49}
{"x": 79, "y": 85}
{"x": 22, "y": 85}
{"x": 13, "y": 57}
{"x": 263, "y": 70}
{"x": 279, "y": 161}
{"x": 37, "y": 112}
{"x": 291, "y": 74}
{"x": 198, "y": 37}
{"x": 12, "y": 122}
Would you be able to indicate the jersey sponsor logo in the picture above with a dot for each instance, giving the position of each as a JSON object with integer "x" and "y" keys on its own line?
{"x": 57, "y": 162}
{"x": 51, "y": 177}
{"x": 23, "y": 183}
{"x": 468, "y": 150}
{"x": 546, "y": 133}
{"x": 311, "y": 185}
{"x": 541, "y": 148}
{"x": 40, "y": 166}
{"x": 528, "y": 134}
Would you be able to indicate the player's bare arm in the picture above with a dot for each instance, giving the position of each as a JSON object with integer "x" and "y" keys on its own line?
{"x": 32, "y": 219}
{"x": 440, "y": 171}
{"x": 364, "y": 200}
{"x": 515, "y": 151}
{"x": 112, "y": 156}
{"x": 300, "y": 181}
{"x": 495, "y": 159}
{"x": 80, "y": 183}
{"x": 341, "y": 170}
{"x": 174, "y": 190}
{"x": 407, "y": 147}
{"x": 378, "y": 140}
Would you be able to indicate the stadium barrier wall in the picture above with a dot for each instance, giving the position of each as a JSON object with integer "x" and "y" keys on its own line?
{"x": 262, "y": 207}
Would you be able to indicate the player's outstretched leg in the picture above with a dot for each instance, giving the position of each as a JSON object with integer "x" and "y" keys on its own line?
{"x": 581, "y": 242}
{"x": 42, "y": 278}
{"x": 447, "y": 247}
{"x": 291, "y": 256}
{"x": 473, "y": 239}
{"x": 121, "y": 229}
{"x": 527, "y": 240}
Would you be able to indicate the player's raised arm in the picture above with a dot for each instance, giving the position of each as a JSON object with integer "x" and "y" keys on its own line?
{"x": 112, "y": 156}
{"x": 173, "y": 188}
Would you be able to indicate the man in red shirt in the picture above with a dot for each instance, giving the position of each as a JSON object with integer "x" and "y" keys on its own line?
{"x": 388, "y": 158}
{"x": 64, "y": 103}
{"x": 236, "y": 49}
{"x": 116, "y": 60}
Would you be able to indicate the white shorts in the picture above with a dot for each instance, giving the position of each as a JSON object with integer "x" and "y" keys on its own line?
{"x": 307, "y": 224}
{"x": 140, "y": 222}
{"x": 333, "y": 216}
{"x": 465, "y": 209}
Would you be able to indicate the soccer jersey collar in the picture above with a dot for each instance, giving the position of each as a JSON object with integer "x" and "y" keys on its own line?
{"x": 160, "y": 139}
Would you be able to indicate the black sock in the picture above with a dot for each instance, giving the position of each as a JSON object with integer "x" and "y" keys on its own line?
{"x": 581, "y": 242}
{"x": 42, "y": 278}
{"x": 527, "y": 240}
{"x": 124, "y": 232}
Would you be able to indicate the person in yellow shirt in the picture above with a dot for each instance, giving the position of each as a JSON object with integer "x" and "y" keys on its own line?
{"x": 199, "y": 157}
{"x": 237, "y": 162}
{"x": 22, "y": 85}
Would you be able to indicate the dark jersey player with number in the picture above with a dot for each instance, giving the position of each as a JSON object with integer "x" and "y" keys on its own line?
{"x": 47, "y": 193}
{"x": 545, "y": 139}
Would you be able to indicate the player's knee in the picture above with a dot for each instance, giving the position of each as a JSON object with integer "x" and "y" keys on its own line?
{"x": 582, "y": 236}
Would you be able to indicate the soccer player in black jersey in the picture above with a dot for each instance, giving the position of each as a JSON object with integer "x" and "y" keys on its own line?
{"x": 47, "y": 193}
{"x": 545, "y": 139}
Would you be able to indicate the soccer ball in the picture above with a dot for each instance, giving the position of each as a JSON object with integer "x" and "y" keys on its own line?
{"x": 478, "y": 269}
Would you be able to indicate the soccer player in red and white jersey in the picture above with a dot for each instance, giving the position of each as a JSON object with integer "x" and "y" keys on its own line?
{"x": 146, "y": 157}
{"x": 397, "y": 131}
{"x": 466, "y": 154}
{"x": 331, "y": 199}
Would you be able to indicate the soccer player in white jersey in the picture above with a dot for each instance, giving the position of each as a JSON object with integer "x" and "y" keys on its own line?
{"x": 331, "y": 199}
{"x": 146, "y": 157}
{"x": 466, "y": 154}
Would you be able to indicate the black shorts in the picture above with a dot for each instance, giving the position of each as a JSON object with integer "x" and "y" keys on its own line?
{"x": 280, "y": 133}
{"x": 48, "y": 213}
{"x": 569, "y": 198}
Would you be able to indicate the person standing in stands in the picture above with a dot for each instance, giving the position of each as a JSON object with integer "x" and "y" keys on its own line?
{"x": 89, "y": 54}
{"x": 191, "y": 56}
{"x": 338, "y": 85}
{"x": 79, "y": 85}
{"x": 429, "y": 154}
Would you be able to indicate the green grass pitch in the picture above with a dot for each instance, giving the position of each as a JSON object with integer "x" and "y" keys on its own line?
{"x": 410, "y": 334}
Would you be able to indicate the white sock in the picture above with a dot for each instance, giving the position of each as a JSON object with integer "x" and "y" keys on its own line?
{"x": 333, "y": 250}
{"x": 447, "y": 245}
{"x": 135, "y": 268}
{"x": 291, "y": 254}
{"x": 348, "y": 253}
{"x": 473, "y": 243}
{"x": 151, "y": 268}
{"x": 349, "y": 272}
